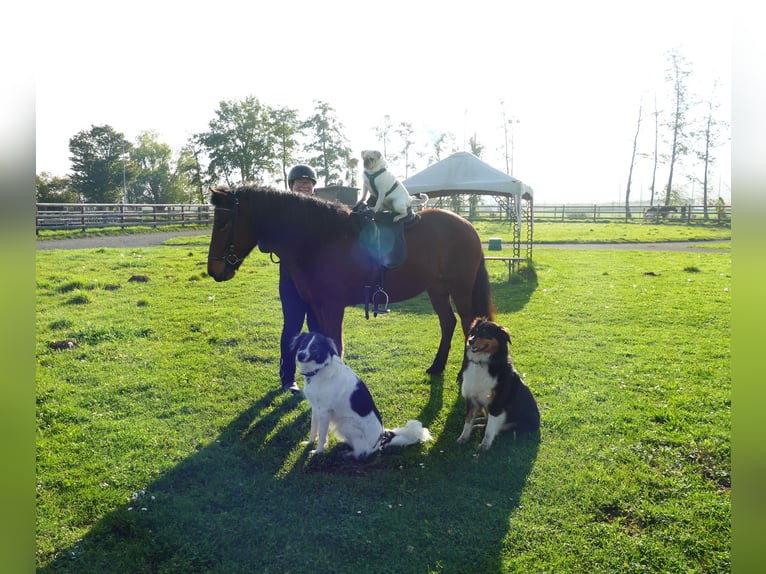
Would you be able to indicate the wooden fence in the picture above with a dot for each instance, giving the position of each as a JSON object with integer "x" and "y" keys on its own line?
{"x": 84, "y": 216}
{"x": 572, "y": 213}
{"x": 617, "y": 213}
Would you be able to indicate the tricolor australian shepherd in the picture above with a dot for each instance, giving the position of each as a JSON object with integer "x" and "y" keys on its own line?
{"x": 341, "y": 402}
{"x": 491, "y": 385}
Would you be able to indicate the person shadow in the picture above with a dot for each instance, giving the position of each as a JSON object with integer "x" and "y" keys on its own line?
{"x": 257, "y": 500}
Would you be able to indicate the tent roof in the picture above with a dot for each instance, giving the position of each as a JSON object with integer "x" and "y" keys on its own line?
{"x": 464, "y": 172}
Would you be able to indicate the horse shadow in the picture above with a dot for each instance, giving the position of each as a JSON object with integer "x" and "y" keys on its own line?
{"x": 508, "y": 296}
{"x": 256, "y": 500}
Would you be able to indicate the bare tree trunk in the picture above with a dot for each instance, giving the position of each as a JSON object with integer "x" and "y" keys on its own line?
{"x": 676, "y": 75}
{"x": 704, "y": 180}
{"x": 656, "y": 154}
{"x": 672, "y": 165}
{"x": 632, "y": 162}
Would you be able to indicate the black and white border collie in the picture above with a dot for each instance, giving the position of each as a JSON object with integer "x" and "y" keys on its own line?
{"x": 341, "y": 402}
{"x": 492, "y": 387}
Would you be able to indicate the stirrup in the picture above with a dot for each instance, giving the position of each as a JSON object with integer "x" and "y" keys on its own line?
{"x": 375, "y": 309}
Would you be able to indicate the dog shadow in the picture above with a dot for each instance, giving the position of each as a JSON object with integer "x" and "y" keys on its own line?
{"x": 235, "y": 505}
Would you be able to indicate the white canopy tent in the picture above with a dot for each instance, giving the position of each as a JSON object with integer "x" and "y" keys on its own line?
{"x": 464, "y": 173}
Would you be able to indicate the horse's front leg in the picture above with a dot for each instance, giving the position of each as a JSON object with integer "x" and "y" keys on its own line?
{"x": 447, "y": 321}
{"x": 330, "y": 322}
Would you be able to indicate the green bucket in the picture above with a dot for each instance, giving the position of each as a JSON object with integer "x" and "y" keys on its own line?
{"x": 495, "y": 244}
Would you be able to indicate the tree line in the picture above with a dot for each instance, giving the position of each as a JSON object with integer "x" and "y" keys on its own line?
{"x": 248, "y": 140}
{"x": 682, "y": 134}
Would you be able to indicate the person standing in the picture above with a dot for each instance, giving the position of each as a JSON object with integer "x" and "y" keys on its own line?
{"x": 301, "y": 179}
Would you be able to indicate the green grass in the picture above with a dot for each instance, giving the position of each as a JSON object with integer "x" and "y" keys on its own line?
{"x": 163, "y": 445}
{"x": 549, "y": 232}
{"x": 544, "y": 232}
{"x": 112, "y": 231}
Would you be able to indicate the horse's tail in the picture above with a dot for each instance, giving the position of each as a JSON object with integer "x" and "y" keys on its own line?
{"x": 482, "y": 295}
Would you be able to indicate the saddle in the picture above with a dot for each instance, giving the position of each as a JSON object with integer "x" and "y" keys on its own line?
{"x": 383, "y": 240}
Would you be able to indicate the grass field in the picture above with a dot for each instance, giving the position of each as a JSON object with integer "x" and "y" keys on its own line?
{"x": 163, "y": 445}
{"x": 544, "y": 232}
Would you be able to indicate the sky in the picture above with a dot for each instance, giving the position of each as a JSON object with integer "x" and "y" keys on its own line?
{"x": 573, "y": 74}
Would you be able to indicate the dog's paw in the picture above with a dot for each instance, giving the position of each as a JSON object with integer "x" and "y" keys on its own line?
{"x": 463, "y": 439}
{"x": 485, "y": 444}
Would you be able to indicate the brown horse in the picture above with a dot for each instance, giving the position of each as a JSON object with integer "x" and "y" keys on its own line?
{"x": 319, "y": 243}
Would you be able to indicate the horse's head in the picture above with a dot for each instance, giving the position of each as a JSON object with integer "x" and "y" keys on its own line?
{"x": 232, "y": 238}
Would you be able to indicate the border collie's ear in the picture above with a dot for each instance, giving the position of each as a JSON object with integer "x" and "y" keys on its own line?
{"x": 297, "y": 341}
{"x": 506, "y": 334}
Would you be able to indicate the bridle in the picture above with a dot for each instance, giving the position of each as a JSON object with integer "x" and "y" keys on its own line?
{"x": 231, "y": 258}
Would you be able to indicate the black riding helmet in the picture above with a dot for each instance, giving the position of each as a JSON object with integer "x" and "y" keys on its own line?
{"x": 299, "y": 171}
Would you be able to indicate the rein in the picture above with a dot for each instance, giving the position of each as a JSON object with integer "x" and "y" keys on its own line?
{"x": 231, "y": 258}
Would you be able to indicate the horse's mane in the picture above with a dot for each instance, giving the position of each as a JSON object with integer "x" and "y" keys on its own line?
{"x": 286, "y": 213}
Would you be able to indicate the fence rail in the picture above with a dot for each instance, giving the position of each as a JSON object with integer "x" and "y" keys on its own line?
{"x": 590, "y": 212}
{"x": 89, "y": 215}
{"x": 84, "y": 216}
{"x": 612, "y": 212}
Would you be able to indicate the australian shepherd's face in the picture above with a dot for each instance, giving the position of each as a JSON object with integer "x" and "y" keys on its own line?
{"x": 486, "y": 338}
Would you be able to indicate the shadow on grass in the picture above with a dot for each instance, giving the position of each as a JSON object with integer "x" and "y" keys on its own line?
{"x": 507, "y": 296}
{"x": 255, "y": 500}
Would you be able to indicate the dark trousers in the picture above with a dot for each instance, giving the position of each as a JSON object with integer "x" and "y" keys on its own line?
{"x": 294, "y": 311}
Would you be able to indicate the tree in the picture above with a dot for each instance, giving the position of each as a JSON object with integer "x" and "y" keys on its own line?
{"x": 99, "y": 172}
{"x": 189, "y": 166}
{"x": 382, "y": 132}
{"x": 676, "y": 75}
{"x": 285, "y": 126}
{"x": 632, "y": 162}
{"x": 477, "y": 148}
{"x": 352, "y": 170}
{"x": 710, "y": 138}
{"x": 327, "y": 146}
{"x": 404, "y": 131}
{"x": 155, "y": 179}
{"x": 441, "y": 144}
{"x": 506, "y": 124}
{"x": 656, "y": 151}
{"x": 240, "y": 143}
{"x": 54, "y": 189}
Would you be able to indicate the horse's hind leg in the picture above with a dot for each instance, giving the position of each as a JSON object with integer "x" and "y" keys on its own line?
{"x": 447, "y": 321}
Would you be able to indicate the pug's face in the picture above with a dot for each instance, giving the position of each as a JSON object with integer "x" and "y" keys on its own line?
{"x": 372, "y": 160}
